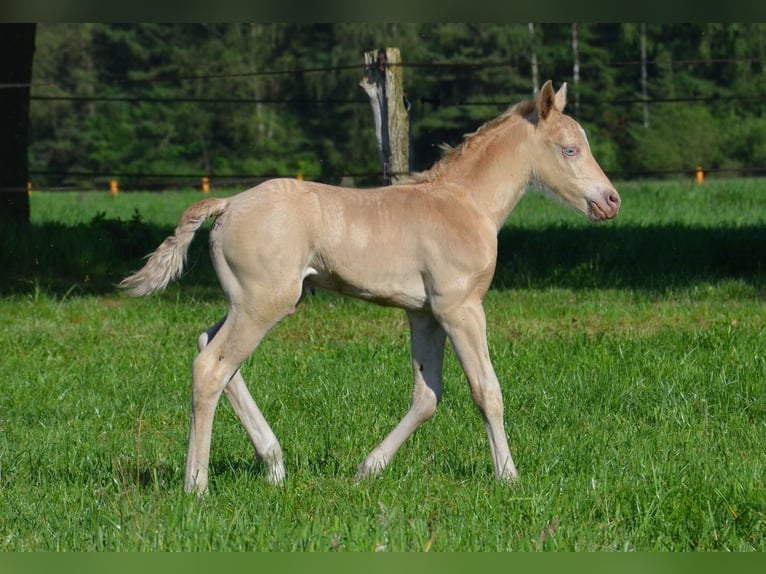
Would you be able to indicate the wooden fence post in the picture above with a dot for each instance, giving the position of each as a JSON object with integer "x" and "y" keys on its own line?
{"x": 383, "y": 84}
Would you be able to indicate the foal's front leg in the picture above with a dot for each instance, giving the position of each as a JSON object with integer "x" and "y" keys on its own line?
{"x": 467, "y": 329}
{"x": 427, "y": 346}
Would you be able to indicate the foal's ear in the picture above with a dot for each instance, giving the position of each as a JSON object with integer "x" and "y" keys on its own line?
{"x": 561, "y": 97}
{"x": 546, "y": 101}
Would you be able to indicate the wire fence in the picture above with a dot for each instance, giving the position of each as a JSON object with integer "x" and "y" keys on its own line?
{"x": 472, "y": 66}
{"x": 159, "y": 182}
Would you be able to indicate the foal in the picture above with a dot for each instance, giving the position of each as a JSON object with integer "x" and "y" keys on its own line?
{"x": 427, "y": 245}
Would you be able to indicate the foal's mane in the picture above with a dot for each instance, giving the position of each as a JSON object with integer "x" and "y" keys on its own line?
{"x": 450, "y": 154}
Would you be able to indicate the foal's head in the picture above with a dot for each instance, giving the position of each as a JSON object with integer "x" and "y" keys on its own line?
{"x": 563, "y": 162}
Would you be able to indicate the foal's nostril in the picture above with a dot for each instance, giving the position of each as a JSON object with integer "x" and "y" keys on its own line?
{"x": 613, "y": 200}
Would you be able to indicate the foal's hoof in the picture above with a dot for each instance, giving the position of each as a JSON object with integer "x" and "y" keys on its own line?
{"x": 197, "y": 491}
{"x": 509, "y": 479}
{"x": 370, "y": 468}
{"x": 275, "y": 476}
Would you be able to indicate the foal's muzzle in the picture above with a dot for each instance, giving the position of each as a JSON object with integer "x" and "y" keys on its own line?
{"x": 605, "y": 206}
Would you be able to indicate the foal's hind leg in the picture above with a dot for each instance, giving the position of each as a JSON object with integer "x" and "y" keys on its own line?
{"x": 427, "y": 346}
{"x": 213, "y": 369}
{"x": 264, "y": 441}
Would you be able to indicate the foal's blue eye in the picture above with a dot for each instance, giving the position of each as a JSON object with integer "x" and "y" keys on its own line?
{"x": 570, "y": 151}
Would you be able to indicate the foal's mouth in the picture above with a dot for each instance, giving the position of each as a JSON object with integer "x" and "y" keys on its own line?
{"x": 606, "y": 207}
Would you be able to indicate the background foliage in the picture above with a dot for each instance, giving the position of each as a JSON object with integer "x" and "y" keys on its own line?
{"x": 281, "y": 99}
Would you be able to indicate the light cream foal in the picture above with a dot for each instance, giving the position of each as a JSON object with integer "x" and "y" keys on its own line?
{"x": 427, "y": 245}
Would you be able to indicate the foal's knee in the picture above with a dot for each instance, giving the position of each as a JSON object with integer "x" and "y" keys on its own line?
{"x": 488, "y": 400}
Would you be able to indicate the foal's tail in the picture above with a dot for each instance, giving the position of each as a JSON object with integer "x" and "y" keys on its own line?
{"x": 167, "y": 261}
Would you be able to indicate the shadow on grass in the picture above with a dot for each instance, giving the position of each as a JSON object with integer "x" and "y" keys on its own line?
{"x": 89, "y": 259}
{"x": 92, "y": 258}
{"x": 652, "y": 258}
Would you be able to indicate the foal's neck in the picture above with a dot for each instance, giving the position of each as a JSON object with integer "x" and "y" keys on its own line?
{"x": 494, "y": 168}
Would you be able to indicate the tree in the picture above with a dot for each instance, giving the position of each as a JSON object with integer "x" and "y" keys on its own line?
{"x": 15, "y": 75}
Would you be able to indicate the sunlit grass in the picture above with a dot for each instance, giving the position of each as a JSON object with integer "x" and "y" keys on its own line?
{"x": 644, "y": 435}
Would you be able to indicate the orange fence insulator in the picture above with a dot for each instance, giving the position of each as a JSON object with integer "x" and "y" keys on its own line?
{"x": 700, "y": 175}
{"x": 114, "y": 189}
{"x": 205, "y": 184}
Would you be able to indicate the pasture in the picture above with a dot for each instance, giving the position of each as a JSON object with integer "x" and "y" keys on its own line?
{"x": 631, "y": 356}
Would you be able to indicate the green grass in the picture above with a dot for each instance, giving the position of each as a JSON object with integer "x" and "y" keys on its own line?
{"x": 635, "y": 398}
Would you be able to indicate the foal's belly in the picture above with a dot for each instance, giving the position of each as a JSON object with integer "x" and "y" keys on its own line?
{"x": 405, "y": 292}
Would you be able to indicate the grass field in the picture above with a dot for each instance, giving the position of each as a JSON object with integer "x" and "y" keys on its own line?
{"x": 631, "y": 356}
